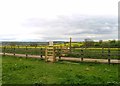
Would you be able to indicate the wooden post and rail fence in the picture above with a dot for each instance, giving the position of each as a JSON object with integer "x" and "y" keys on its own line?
{"x": 51, "y": 52}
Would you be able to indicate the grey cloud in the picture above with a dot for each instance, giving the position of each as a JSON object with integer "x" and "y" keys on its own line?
{"x": 75, "y": 26}
{"x": 7, "y": 37}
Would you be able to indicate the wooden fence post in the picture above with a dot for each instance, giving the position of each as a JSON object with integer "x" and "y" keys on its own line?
{"x": 57, "y": 52}
{"x": 26, "y": 52}
{"x": 102, "y": 51}
{"x": 11, "y": 50}
{"x": 4, "y": 50}
{"x": 108, "y": 55}
{"x": 61, "y": 51}
{"x": 46, "y": 54}
{"x": 41, "y": 52}
{"x": 54, "y": 58}
{"x": 70, "y": 44}
{"x": 82, "y": 54}
{"x": 18, "y": 46}
{"x": 14, "y": 51}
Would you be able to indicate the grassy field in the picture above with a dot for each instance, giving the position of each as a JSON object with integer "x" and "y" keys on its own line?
{"x": 18, "y": 70}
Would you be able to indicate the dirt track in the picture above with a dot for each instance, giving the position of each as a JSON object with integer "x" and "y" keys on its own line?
{"x": 69, "y": 58}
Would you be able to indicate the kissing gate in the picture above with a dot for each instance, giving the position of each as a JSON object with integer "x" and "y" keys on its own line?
{"x": 52, "y": 52}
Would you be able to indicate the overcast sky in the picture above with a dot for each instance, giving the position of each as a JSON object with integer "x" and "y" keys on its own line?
{"x": 50, "y": 20}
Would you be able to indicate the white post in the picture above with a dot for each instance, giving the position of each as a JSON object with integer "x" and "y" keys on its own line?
{"x": 50, "y": 43}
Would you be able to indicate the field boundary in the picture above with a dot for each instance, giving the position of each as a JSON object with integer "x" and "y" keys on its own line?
{"x": 115, "y": 61}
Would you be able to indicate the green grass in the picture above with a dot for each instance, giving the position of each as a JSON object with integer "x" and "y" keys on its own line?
{"x": 18, "y": 70}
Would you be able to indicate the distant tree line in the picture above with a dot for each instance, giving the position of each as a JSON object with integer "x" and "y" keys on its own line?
{"x": 109, "y": 43}
{"x": 87, "y": 43}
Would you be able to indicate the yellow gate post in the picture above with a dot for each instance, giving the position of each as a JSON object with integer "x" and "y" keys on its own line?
{"x": 46, "y": 54}
{"x": 54, "y": 58}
